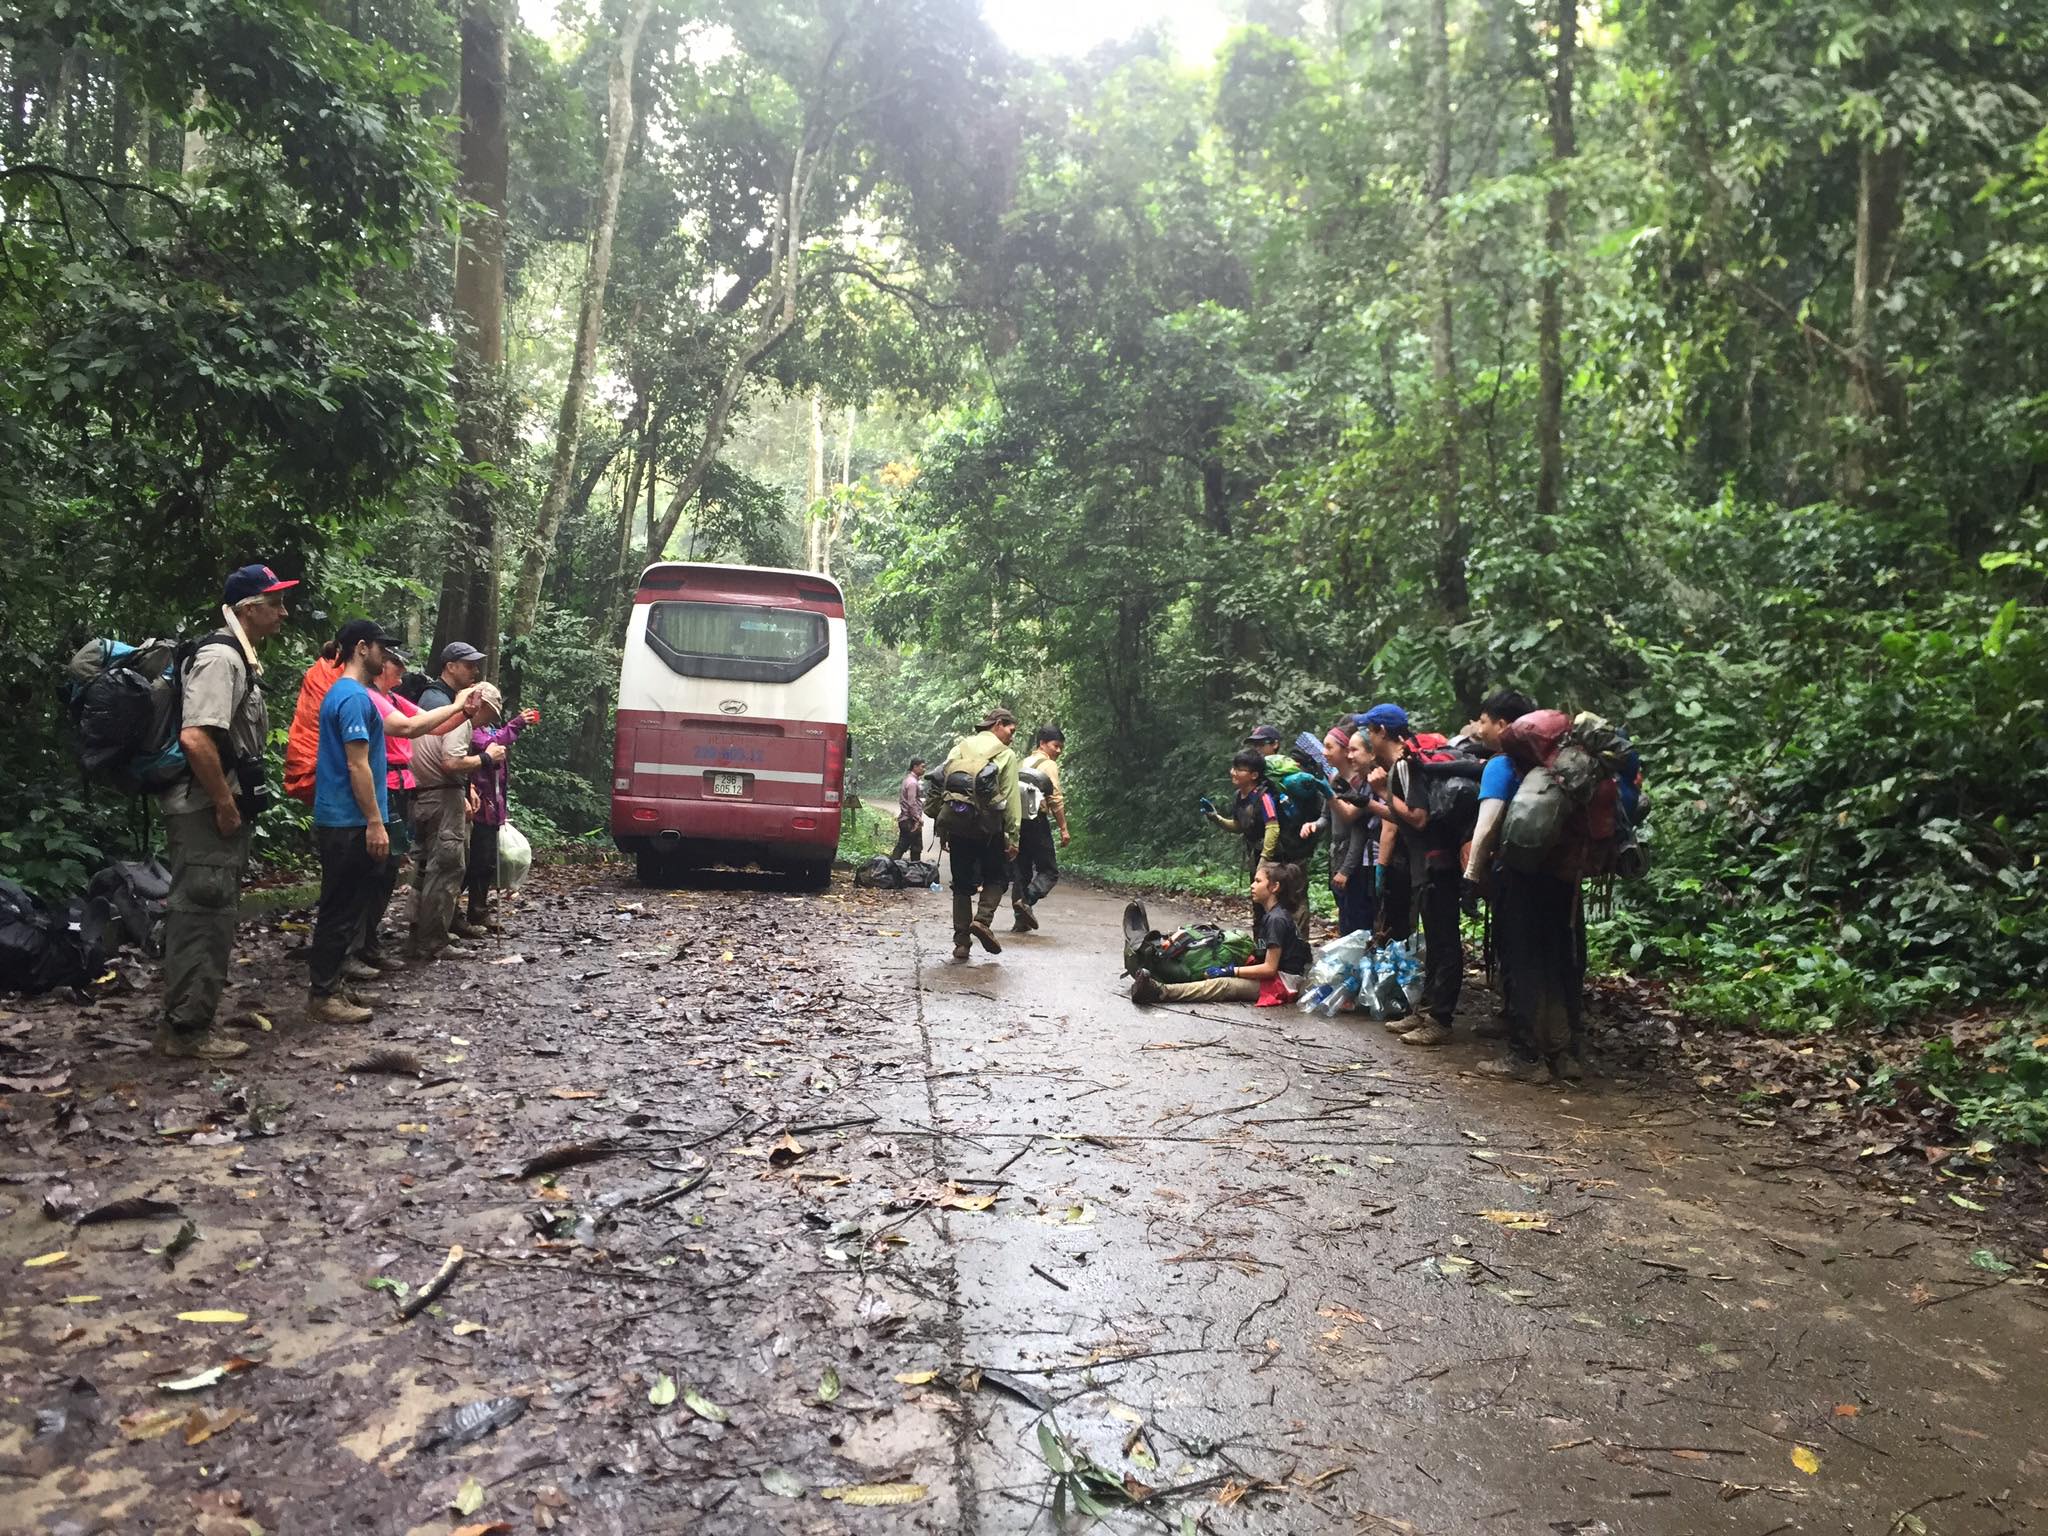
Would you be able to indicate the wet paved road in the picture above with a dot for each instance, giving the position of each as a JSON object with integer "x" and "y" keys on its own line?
{"x": 1290, "y": 1273}
{"x": 1409, "y": 1298}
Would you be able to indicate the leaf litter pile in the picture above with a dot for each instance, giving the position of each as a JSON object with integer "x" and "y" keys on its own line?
{"x": 592, "y": 1242}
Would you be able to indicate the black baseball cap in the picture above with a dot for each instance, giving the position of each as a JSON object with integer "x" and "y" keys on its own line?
{"x": 356, "y": 631}
{"x": 1264, "y": 733}
{"x": 460, "y": 650}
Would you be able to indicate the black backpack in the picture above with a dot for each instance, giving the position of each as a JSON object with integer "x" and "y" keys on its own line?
{"x": 412, "y": 685}
{"x": 137, "y": 895}
{"x": 1450, "y": 788}
{"x": 40, "y": 949}
{"x": 127, "y": 706}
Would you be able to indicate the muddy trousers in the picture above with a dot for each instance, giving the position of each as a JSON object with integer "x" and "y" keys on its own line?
{"x": 1224, "y": 989}
{"x": 199, "y": 917}
{"x": 1533, "y": 916}
{"x": 367, "y": 947}
{"x": 909, "y": 839}
{"x": 440, "y": 815}
{"x": 980, "y": 877}
{"x": 1443, "y": 970}
{"x": 483, "y": 871}
{"x": 349, "y": 880}
{"x": 1036, "y": 869}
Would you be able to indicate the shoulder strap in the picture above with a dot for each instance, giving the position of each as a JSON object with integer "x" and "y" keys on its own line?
{"x": 234, "y": 646}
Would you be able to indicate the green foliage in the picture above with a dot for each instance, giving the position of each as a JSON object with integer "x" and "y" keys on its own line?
{"x": 1998, "y": 1092}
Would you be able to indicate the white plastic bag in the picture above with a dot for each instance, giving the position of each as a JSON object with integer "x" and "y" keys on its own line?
{"x": 515, "y": 858}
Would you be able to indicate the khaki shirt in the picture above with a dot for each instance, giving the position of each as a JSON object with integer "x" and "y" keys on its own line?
{"x": 433, "y": 759}
{"x": 217, "y": 677}
{"x": 1056, "y": 796}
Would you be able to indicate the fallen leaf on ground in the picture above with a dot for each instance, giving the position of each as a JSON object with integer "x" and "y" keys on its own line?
{"x": 828, "y": 1385}
{"x": 783, "y": 1483}
{"x": 704, "y": 1408}
{"x": 147, "y": 1426}
{"x": 469, "y": 1498}
{"x": 786, "y": 1150}
{"x": 201, "y": 1426}
{"x": 45, "y": 1260}
{"x": 131, "y": 1209}
{"x": 1805, "y": 1460}
{"x": 389, "y": 1063}
{"x": 465, "y": 1328}
{"x": 213, "y": 1317}
{"x": 875, "y": 1495}
{"x": 1968, "y": 1205}
{"x": 576, "y": 1093}
{"x": 1846, "y": 1410}
{"x": 1519, "y": 1221}
{"x": 916, "y": 1378}
{"x": 482, "y": 1528}
{"x": 662, "y": 1393}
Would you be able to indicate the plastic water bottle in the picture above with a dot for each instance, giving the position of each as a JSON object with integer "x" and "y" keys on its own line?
{"x": 935, "y": 887}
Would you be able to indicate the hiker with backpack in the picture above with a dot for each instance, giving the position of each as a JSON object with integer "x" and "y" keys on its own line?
{"x": 352, "y": 808}
{"x": 1280, "y": 956}
{"x": 1430, "y": 859}
{"x": 1036, "y": 868}
{"x": 1268, "y": 822}
{"x": 210, "y": 812}
{"x": 368, "y": 959}
{"x": 1487, "y": 879}
{"x": 977, "y": 814}
{"x": 302, "y": 740}
{"x": 462, "y": 666}
{"x": 1355, "y": 812}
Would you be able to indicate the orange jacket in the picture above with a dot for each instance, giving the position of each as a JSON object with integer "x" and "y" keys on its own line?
{"x": 302, "y": 742}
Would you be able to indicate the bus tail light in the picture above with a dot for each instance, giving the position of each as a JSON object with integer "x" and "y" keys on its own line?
{"x": 835, "y": 768}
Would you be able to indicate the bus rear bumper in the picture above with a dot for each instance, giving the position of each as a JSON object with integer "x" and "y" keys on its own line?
{"x": 722, "y": 832}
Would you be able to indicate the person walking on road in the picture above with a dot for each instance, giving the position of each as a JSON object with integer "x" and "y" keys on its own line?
{"x": 978, "y": 820}
{"x": 208, "y": 815}
{"x": 910, "y": 814}
{"x": 1036, "y": 869}
{"x": 352, "y": 809}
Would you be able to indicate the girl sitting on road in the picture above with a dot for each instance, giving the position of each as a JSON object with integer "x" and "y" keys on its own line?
{"x": 1280, "y": 953}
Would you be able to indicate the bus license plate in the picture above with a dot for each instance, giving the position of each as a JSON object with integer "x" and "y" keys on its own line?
{"x": 728, "y": 784}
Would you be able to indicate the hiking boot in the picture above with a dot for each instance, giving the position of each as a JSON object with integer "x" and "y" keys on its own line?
{"x": 1569, "y": 1068}
{"x": 354, "y": 969}
{"x": 1027, "y": 920}
{"x": 1492, "y": 1027}
{"x": 465, "y": 930}
{"x": 384, "y": 963}
{"x": 1146, "y": 991}
{"x": 1520, "y": 1069}
{"x": 335, "y": 1010}
{"x": 197, "y": 1045}
{"x": 984, "y": 935}
{"x": 1400, "y": 1026}
{"x": 1428, "y": 1032}
{"x": 961, "y": 951}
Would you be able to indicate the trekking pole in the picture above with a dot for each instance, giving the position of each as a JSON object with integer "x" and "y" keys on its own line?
{"x": 1486, "y": 939}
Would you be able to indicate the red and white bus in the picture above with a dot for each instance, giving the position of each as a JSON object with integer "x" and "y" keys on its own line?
{"x": 732, "y": 722}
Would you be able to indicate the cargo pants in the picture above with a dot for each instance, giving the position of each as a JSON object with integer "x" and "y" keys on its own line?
{"x": 981, "y": 878}
{"x": 199, "y": 916}
{"x": 440, "y": 816}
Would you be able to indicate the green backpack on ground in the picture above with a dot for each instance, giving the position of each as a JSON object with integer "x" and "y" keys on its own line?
{"x": 1182, "y": 956}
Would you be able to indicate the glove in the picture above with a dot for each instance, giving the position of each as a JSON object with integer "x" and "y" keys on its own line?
{"x": 1468, "y": 896}
{"x": 1216, "y": 971}
{"x": 1208, "y": 806}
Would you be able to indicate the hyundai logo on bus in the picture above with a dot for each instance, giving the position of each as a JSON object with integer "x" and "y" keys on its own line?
{"x": 732, "y": 706}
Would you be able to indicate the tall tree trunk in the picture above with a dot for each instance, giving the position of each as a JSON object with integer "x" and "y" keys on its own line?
{"x": 589, "y": 323}
{"x": 469, "y": 583}
{"x": 127, "y": 140}
{"x": 1877, "y": 398}
{"x": 814, "y": 488}
{"x": 1453, "y": 596}
{"x": 1550, "y": 293}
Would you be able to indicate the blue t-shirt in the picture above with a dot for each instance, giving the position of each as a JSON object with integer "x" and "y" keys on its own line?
{"x": 1500, "y": 778}
{"x": 347, "y": 714}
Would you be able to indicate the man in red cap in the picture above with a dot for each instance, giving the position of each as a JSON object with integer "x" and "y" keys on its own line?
{"x": 208, "y": 815}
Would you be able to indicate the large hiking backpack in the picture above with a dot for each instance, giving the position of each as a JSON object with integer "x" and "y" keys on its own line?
{"x": 41, "y": 949}
{"x": 127, "y": 707}
{"x": 964, "y": 797}
{"x": 412, "y": 685}
{"x": 1533, "y": 740}
{"x": 1034, "y": 789}
{"x": 1450, "y": 789}
{"x": 1535, "y": 819}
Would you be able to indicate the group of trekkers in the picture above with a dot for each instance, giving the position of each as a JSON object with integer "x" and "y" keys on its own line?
{"x": 1412, "y": 824}
{"x": 995, "y": 814}
{"x": 389, "y": 761}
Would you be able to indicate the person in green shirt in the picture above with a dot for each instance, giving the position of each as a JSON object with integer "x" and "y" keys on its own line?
{"x": 981, "y": 857}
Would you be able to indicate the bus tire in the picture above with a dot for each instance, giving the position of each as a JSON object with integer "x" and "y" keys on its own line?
{"x": 811, "y": 877}
{"x": 652, "y": 868}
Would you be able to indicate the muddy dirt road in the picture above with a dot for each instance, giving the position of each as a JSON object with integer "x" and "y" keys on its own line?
{"x": 769, "y": 1210}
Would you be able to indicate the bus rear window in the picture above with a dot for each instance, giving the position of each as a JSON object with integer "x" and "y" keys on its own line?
{"x": 737, "y": 641}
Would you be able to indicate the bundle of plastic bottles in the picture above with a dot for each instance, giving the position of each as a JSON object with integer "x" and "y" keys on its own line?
{"x": 1355, "y": 975}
